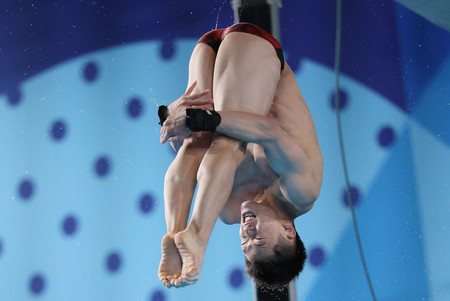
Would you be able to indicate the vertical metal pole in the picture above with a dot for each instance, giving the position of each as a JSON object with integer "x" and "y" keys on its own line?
{"x": 257, "y": 12}
{"x": 288, "y": 294}
{"x": 264, "y": 13}
{"x": 292, "y": 291}
{"x": 275, "y": 18}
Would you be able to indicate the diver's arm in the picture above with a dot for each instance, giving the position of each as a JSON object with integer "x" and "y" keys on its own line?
{"x": 297, "y": 180}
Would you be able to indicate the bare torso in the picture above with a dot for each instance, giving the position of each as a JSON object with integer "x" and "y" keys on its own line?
{"x": 254, "y": 176}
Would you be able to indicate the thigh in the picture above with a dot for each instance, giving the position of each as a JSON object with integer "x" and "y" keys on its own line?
{"x": 246, "y": 74}
{"x": 201, "y": 68}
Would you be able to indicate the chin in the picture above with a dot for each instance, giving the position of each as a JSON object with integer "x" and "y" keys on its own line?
{"x": 248, "y": 205}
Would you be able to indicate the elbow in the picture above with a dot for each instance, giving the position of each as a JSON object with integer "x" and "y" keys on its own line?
{"x": 309, "y": 199}
{"x": 314, "y": 189}
{"x": 308, "y": 202}
{"x": 310, "y": 193}
{"x": 314, "y": 192}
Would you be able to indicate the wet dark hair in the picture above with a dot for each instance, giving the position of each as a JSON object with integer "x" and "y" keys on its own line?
{"x": 277, "y": 271}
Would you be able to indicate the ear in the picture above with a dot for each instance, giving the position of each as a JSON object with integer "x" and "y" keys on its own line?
{"x": 290, "y": 231}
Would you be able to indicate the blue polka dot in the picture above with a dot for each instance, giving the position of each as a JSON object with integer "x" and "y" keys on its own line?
{"x": 14, "y": 96}
{"x": 58, "y": 130}
{"x": 146, "y": 203}
{"x": 354, "y": 192}
{"x": 317, "y": 256}
{"x": 70, "y": 225}
{"x": 167, "y": 49}
{"x": 113, "y": 262}
{"x": 386, "y": 136}
{"x": 157, "y": 296}
{"x": 37, "y": 284}
{"x": 90, "y": 72}
{"x": 236, "y": 278}
{"x": 134, "y": 108}
{"x": 343, "y": 100}
{"x": 1, "y": 247}
{"x": 26, "y": 189}
{"x": 102, "y": 166}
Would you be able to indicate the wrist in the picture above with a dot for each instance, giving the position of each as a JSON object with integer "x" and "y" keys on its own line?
{"x": 198, "y": 120}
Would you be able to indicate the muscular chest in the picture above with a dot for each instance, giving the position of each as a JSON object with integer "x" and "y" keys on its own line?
{"x": 253, "y": 175}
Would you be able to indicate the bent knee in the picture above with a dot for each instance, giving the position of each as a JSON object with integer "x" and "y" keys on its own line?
{"x": 197, "y": 142}
{"x": 224, "y": 144}
{"x": 224, "y": 151}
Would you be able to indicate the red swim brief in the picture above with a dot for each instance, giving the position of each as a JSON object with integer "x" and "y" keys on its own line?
{"x": 215, "y": 37}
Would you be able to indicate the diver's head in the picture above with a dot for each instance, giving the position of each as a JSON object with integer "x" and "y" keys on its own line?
{"x": 274, "y": 253}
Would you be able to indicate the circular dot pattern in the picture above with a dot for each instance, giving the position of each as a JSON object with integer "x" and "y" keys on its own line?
{"x": 102, "y": 166}
{"x": 37, "y": 284}
{"x": 317, "y": 256}
{"x": 386, "y": 136}
{"x": 90, "y": 72}
{"x": 134, "y": 108}
{"x": 14, "y": 96}
{"x": 113, "y": 262}
{"x": 158, "y": 296}
{"x": 354, "y": 194}
{"x": 167, "y": 49}
{"x": 70, "y": 225}
{"x": 58, "y": 130}
{"x": 343, "y": 100}
{"x": 236, "y": 278}
{"x": 26, "y": 189}
{"x": 146, "y": 203}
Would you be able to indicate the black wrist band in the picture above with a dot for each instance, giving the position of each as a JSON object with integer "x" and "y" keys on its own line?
{"x": 163, "y": 112}
{"x": 198, "y": 120}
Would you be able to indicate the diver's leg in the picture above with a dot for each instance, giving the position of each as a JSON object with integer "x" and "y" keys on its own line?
{"x": 180, "y": 179}
{"x": 246, "y": 75}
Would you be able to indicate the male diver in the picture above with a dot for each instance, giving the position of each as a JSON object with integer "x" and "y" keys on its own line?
{"x": 255, "y": 157}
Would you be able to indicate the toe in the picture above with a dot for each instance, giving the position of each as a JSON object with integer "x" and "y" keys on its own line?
{"x": 165, "y": 282}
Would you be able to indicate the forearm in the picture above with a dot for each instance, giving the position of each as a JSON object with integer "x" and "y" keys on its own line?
{"x": 246, "y": 127}
{"x": 285, "y": 156}
{"x": 283, "y": 153}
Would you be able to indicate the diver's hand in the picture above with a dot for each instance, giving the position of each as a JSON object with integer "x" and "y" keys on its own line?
{"x": 191, "y": 101}
{"x": 174, "y": 128}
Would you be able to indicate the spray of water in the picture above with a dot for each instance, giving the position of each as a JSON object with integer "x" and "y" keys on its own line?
{"x": 218, "y": 13}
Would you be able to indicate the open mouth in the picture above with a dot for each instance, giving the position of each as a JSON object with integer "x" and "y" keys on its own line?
{"x": 248, "y": 216}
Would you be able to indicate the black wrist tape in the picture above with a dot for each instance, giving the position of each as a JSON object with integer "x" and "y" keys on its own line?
{"x": 198, "y": 120}
{"x": 163, "y": 112}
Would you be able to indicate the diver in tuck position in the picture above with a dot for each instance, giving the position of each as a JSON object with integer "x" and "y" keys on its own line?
{"x": 256, "y": 158}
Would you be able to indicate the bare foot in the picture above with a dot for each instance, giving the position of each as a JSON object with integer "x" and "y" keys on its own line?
{"x": 170, "y": 265}
{"x": 192, "y": 252}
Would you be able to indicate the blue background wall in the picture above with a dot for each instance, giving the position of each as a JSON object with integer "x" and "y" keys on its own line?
{"x": 81, "y": 168}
